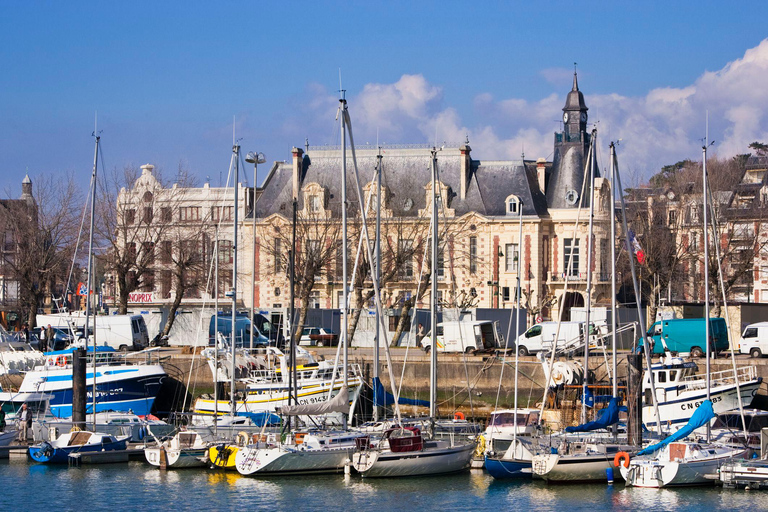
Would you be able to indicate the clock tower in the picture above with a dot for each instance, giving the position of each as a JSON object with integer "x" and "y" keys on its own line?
{"x": 566, "y": 181}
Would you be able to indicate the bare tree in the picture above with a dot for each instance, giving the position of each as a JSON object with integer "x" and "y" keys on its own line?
{"x": 40, "y": 238}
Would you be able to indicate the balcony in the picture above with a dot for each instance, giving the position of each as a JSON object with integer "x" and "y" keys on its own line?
{"x": 579, "y": 277}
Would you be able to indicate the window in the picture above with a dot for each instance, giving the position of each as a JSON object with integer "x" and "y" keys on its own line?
{"x": 672, "y": 217}
{"x": 189, "y": 213}
{"x": 314, "y": 257}
{"x": 694, "y": 242}
{"x": 147, "y": 215}
{"x": 166, "y": 252}
{"x": 605, "y": 258}
{"x": 512, "y": 205}
{"x": 440, "y": 264}
{"x": 129, "y": 217}
{"x": 225, "y": 252}
{"x": 405, "y": 248}
{"x": 339, "y": 262}
{"x": 511, "y": 257}
{"x": 148, "y": 281}
{"x": 165, "y": 284}
{"x": 505, "y": 293}
{"x": 222, "y": 213}
{"x": 571, "y": 256}
{"x": 750, "y": 333}
{"x": 314, "y": 203}
{"x": 148, "y": 250}
{"x": 473, "y": 255}
{"x": 130, "y": 250}
{"x": 9, "y": 241}
{"x": 314, "y": 300}
{"x": 165, "y": 214}
{"x": 277, "y": 255}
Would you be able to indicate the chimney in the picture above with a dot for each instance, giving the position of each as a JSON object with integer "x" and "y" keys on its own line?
{"x": 466, "y": 170}
{"x": 147, "y": 169}
{"x": 541, "y": 174}
{"x": 297, "y": 169}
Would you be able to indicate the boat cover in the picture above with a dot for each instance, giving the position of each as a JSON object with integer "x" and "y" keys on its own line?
{"x": 607, "y": 416}
{"x": 382, "y": 398}
{"x": 339, "y": 403}
{"x": 262, "y": 418}
{"x": 700, "y": 417}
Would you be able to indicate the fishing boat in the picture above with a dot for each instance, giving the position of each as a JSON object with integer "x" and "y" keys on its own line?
{"x": 186, "y": 449}
{"x": 120, "y": 384}
{"x": 77, "y": 441}
{"x": 265, "y": 378}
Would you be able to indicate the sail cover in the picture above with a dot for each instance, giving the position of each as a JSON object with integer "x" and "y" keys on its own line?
{"x": 339, "y": 403}
{"x": 381, "y": 397}
{"x": 700, "y": 417}
{"x": 263, "y": 418}
{"x": 608, "y": 416}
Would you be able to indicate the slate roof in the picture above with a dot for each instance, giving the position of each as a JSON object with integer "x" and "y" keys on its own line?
{"x": 406, "y": 172}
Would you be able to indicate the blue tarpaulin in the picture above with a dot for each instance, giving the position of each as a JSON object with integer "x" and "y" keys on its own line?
{"x": 608, "y": 416}
{"x": 262, "y": 418}
{"x": 381, "y": 397}
{"x": 701, "y": 417}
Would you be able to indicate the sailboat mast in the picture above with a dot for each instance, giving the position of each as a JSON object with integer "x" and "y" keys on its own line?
{"x": 518, "y": 296}
{"x": 590, "y": 261}
{"x": 615, "y": 384}
{"x": 344, "y": 270}
{"x": 706, "y": 272}
{"x": 232, "y": 398}
{"x": 433, "y": 300}
{"x": 90, "y": 277}
{"x": 216, "y": 332}
{"x": 376, "y": 361}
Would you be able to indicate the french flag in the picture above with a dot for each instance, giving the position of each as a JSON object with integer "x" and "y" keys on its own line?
{"x": 636, "y": 247}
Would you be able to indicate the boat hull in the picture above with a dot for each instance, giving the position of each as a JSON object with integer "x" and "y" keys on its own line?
{"x": 575, "y": 468}
{"x": 47, "y": 454}
{"x": 192, "y": 458}
{"x": 284, "y": 461}
{"x": 502, "y": 469}
{"x": 376, "y": 464}
{"x": 655, "y": 474}
{"x": 223, "y": 456}
{"x": 118, "y": 388}
{"x": 743, "y": 473}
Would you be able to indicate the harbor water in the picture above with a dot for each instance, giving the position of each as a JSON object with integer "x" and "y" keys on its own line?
{"x": 135, "y": 485}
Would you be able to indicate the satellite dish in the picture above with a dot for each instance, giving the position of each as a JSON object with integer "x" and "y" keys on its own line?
{"x": 255, "y": 158}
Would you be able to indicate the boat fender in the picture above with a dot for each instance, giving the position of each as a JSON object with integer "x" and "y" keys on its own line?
{"x": 458, "y": 415}
{"x": 621, "y": 456}
{"x": 480, "y": 449}
{"x": 142, "y": 433}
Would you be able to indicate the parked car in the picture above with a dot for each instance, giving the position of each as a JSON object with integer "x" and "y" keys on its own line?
{"x": 754, "y": 340}
{"x": 61, "y": 338}
{"x": 319, "y": 337}
{"x": 465, "y": 336}
{"x": 242, "y": 329}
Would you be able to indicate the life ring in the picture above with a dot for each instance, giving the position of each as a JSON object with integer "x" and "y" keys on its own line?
{"x": 458, "y": 415}
{"x": 619, "y": 457}
{"x": 242, "y": 438}
{"x": 61, "y": 361}
{"x": 75, "y": 428}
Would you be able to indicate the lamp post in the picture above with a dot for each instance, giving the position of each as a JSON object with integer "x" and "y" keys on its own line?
{"x": 255, "y": 159}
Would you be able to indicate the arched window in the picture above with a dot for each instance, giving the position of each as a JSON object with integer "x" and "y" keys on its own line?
{"x": 513, "y": 205}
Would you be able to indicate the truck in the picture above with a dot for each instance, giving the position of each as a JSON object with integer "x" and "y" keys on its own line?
{"x": 464, "y": 336}
{"x": 319, "y": 337}
{"x": 263, "y": 334}
{"x": 540, "y": 337}
{"x": 754, "y": 340}
{"x": 687, "y": 335}
{"x": 120, "y": 332}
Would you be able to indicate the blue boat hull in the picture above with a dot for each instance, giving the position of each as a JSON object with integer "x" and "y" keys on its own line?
{"x": 47, "y": 454}
{"x": 499, "y": 468}
{"x": 137, "y": 395}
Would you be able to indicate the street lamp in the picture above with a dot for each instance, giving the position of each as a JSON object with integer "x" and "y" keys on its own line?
{"x": 255, "y": 159}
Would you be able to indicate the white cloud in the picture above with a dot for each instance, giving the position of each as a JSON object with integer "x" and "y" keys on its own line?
{"x": 662, "y": 127}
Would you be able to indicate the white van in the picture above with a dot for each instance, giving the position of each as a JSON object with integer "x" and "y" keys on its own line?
{"x": 754, "y": 340}
{"x": 121, "y": 332}
{"x": 541, "y": 336}
{"x": 466, "y": 336}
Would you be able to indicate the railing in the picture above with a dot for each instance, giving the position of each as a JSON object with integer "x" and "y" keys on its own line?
{"x": 744, "y": 374}
{"x": 580, "y": 276}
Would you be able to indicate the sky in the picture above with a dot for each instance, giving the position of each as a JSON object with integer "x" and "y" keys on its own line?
{"x": 170, "y": 81}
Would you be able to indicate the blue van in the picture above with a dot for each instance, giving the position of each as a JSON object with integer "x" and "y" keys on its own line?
{"x": 261, "y": 333}
{"x": 687, "y": 335}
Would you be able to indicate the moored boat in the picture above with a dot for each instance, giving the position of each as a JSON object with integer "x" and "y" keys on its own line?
{"x": 184, "y": 450}
{"x": 77, "y": 441}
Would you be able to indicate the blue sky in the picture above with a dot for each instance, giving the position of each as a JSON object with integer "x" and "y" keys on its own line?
{"x": 167, "y": 78}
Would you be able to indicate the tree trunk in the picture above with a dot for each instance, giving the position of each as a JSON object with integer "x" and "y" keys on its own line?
{"x": 360, "y": 300}
{"x": 177, "y": 296}
{"x": 407, "y": 305}
{"x": 122, "y": 301}
{"x": 302, "y": 318}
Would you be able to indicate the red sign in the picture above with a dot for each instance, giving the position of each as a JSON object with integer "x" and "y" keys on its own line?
{"x": 141, "y": 297}
{"x": 82, "y": 288}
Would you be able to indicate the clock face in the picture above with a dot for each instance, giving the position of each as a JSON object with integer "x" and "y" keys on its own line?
{"x": 565, "y": 117}
{"x": 583, "y": 117}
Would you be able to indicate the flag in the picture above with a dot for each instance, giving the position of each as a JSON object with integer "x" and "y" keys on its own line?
{"x": 636, "y": 247}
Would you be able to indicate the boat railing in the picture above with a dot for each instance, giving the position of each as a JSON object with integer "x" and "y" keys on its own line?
{"x": 744, "y": 374}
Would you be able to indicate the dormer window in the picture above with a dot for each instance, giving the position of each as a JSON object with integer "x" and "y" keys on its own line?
{"x": 314, "y": 203}
{"x": 513, "y": 205}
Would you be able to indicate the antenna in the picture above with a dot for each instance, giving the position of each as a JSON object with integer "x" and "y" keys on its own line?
{"x": 233, "y": 130}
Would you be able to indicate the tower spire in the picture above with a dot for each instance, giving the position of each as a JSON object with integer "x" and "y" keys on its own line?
{"x": 575, "y": 80}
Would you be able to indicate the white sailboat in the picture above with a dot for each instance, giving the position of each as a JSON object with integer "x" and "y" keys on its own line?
{"x": 187, "y": 449}
{"x": 405, "y": 451}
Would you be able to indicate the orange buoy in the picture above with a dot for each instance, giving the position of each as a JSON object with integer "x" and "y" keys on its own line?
{"x": 621, "y": 456}
{"x": 458, "y": 415}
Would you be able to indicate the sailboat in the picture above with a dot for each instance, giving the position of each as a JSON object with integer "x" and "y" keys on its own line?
{"x": 186, "y": 449}
{"x": 406, "y": 451}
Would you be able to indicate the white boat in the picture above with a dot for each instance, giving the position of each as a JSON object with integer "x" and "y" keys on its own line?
{"x": 186, "y": 449}
{"x": 752, "y": 474}
{"x": 578, "y": 460}
{"x": 680, "y": 463}
{"x": 302, "y": 453}
{"x": 502, "y": 428}
{"x": 679, "y": 391}
{"x": 265, "y": 377}
{"x": 16, "y": 355}
{"x": 116, "y": 423}
{"x": 405, "y": 452}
